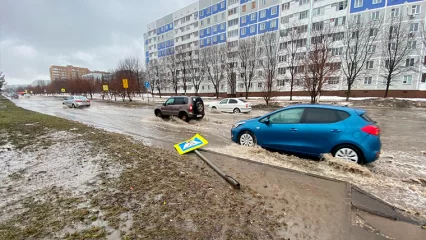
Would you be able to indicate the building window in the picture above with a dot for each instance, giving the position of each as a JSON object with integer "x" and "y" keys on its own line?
{"x": 407, "y": 79}
{"x": 368, "y": 80}
{"x": 370, "y": 64}
{"x": 373, "y": 32}
{"x": 252, "y": 28}
{"x": 243, "y": 19}
{"x": 232, "y": 22}
{"x": 414, "y": 27}
{"x": 253, "y": 5}
{"x": 243, "y": 8}
{"x": 302, "y": 2}
{"x": 318, "y": 11}
{"x": 222, "y": 5}
{"x": 377, "y": 1}
{"x": 262, "y": 2}
{"x": 207, "y": 30}
{"x": 262, "y": 13}
{"x": 333, "y": 80}
{"x": 409, "y": 62}
{"x": 285, "y": 19}
{"x": 274, "y": 10}
{"x": 232, "y": 11}
{"x": 412, "y": 44}
{"x": 303, "y": 15}
{"x": 395, "y": 12}
{"x": 375, "y": 15}
{"x": 215, "y": 38}
{"x": 358, "y": 3}
{"x": 243, "y": 31}
{"x": 274, "y": 23}
{"x": 222, "y": 26}
{"x": 214, "y": 28}
{"x": 285, "y": 6}
{"x": 281, "y": 71}
{"x": 232, "y": 2}
{"x": 339, "y": 21}
{"x": 415, "y": 9}
{"x": 253, "y": 16}
{"x": 259, "y": 85}
{"x": 262, "y": 26}
{"x": 208, "y": 11}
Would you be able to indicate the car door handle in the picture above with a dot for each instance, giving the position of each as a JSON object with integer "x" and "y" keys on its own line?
{"x": 336, "y": 130}
{"x": 293, "y": 129}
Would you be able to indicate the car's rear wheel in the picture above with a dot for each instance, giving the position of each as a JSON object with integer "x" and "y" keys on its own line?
{"x": 158, "y": 113}
{"x": 348, "y": 153}
{"x": 214, "y": 109}
{"x": 184, "y": 117}
{"x": 247, "y": 139}
{"x": 73, "y": 106}
{"x": 237, "y": 110}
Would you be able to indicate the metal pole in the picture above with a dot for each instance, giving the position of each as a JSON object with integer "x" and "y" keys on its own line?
{"x": 229, "y": 179}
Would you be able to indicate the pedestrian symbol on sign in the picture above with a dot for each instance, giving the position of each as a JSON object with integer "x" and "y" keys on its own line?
{"x": 190, "y": 145}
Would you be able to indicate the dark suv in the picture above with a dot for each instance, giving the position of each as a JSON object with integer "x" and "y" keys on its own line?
{"x": 184, "y": 107}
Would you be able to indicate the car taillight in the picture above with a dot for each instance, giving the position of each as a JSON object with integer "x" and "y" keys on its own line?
{"x": 246, "y": 105}
{"x": 87, "y": 100}
{"x": 78, "y": 100}
{"x": 371, "y": 129}
{"x": 190, "y": 107}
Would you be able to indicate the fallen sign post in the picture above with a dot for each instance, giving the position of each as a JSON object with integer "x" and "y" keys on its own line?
{"x": 197, "y": 142}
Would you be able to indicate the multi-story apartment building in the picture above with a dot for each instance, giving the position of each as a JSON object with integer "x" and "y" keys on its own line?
{"x": 207, "y": 23}
{"x": 66, "y": 72}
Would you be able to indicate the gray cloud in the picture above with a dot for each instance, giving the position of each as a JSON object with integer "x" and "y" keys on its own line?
{"x": 35, "y": 34}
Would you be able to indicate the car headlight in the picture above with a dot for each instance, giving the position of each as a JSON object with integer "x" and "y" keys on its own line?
{"x": 238, "y": 124}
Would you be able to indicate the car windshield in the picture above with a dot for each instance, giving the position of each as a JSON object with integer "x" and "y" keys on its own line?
{"x": 242, "y": 100}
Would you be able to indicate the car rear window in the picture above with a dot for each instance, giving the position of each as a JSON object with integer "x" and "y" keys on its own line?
{"x": 367, "y": 118}
{"x": 233, "y": 101}
{"x": 343, "y": 115}
{"x": 80, "y": 97}
{"x": 319, "y": 115}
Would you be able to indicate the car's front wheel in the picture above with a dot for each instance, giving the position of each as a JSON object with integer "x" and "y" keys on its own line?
{"x": 158, "y": 113}
{"x": 348, "y": 153}
{"x": 247, "y": 139}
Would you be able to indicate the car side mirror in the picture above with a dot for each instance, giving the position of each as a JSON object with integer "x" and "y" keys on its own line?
{"x": 266, "y": 120}
{"x": 164, "y": 104}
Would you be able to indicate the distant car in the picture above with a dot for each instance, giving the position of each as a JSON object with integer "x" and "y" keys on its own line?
{"x": 184, "y": 107}
{"x": 231, "y": 105}
{"x": 76, "y": 102}
{"x": 313, "y": 130}
{"x": 27, "y": 95}
{"x": 14, "y": 96}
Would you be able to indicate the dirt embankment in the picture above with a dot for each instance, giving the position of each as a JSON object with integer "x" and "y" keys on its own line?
{"x": 62, "y": 179}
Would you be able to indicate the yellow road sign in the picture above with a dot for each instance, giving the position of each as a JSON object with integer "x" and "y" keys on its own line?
{"x": 62, "y": 89}
{"x": 125, "y": 83}
{"x": 195, "y": 142}
{"x": 105, "y": 87}
{"x": 26, "y": 91}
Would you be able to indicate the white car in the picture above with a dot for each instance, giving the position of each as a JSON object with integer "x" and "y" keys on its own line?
{"x": 231, "y": 105}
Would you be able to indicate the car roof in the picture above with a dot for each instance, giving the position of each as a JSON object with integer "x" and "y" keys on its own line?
{"x": 327, "y": 106}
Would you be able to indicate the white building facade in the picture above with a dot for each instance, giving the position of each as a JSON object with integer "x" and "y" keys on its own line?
{"x": 212, "y": 22}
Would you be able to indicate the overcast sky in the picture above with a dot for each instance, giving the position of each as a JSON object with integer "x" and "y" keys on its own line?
{"x": 35, "y": 34}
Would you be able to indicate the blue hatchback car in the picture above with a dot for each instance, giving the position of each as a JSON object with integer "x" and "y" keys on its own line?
{"x": 313, "y": 129}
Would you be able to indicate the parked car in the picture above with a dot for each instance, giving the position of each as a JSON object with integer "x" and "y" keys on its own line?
{"x": 76, "y": 102}
{"x": 231, "y": 105}
{"x": 14, "y": 96}
{"x": 184, "y": 107}
{"x": 313, "y": 130}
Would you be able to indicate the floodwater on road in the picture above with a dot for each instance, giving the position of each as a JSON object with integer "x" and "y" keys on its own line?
{"x": 398, "y": 177}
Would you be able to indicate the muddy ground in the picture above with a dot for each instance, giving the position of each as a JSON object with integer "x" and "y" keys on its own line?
{"x": 62, "y": 179}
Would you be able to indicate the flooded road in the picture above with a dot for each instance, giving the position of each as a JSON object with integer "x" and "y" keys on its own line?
{"x": 398, "y": 177}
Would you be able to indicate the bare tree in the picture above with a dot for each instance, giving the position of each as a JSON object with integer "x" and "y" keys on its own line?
{"x": 292, "y": 46}
{"x": 216, "y": 65}
{"x": 183, "y": 63}
{"x": 359, "y": 40}
{"x": 318, "y": 62}
{"x": 153, "y": 72}
{"x": 395, "y": 48}
{"x": 248, "y": 54}
{"x": 172, "y": 67}
{"x": 2, "y": 79}
{"x": 232, "y": 67}
{"x": 423, "y": 34}
{"x": 197, "y": 68}
{"x": 268, "y": 55}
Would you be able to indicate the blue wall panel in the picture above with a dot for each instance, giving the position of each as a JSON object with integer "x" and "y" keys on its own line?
{"x": 248, "y": 31}
{"x": 366, "y": 5}
{"x": 249, "y": 19}
{"x": 398, "y": 2}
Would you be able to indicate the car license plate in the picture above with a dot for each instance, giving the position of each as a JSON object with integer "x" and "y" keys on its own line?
{"x": 199, "y": 115}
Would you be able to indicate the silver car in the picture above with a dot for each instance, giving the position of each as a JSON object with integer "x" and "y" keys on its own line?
{"x": 231, "y": 105}
{"x": 76, "y": 101}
